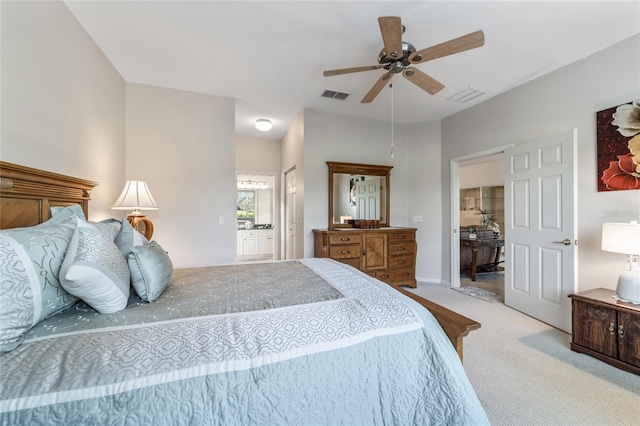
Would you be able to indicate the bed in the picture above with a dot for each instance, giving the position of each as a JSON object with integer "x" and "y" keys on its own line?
{"x": 310, "y": 341}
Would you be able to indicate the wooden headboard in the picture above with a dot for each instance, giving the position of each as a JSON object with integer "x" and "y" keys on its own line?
{"x": 27, "y": 194}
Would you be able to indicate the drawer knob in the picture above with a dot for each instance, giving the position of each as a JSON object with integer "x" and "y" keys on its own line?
{"x": 400, "y": 262}
{"x": 344, "y": 239}
{"x": 345, "y": 252}
{"x": 401, "y": 248}
{"x": 612, "y": 328}
{"x": 405, "y": 274}
{"x": 401, "y": 237}
{"x": 621, "y": 330}
{"x": 385, "y": 276}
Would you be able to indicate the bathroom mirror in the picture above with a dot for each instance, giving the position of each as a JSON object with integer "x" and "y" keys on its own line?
{"x": 358, "y": 191}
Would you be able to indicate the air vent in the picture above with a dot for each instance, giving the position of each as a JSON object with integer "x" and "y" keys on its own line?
{"x": 335, "y": 95}
{"x": 466, "y": 95}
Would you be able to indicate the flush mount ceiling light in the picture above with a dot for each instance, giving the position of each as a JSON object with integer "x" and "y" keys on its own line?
{"x": 263, "y": 124}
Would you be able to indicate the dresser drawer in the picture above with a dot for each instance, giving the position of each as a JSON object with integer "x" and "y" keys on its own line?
{"x": 395, "y": 276}
{"x": 355, "y": 262}
{"x": 344, "y": 251}
{"x": 396, "y": 249}
{"x": 344, "y": 239}
{"x": 402, "y": 261}
{"x": 402, "y": 236}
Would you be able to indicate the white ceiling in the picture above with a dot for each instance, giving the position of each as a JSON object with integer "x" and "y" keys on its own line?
{"x": 270, "y": 55}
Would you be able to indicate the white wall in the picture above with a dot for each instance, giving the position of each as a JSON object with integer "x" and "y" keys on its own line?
{"x": 490, "y": 173}
{"x": 62, "y": 101}
{"x": 565, "y": 99}
{"x": 424, "y": 198}
{"x": 332, "y": 137}
{"x": 183, "y": 144}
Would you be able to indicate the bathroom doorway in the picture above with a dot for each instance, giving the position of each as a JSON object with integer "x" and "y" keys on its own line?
{"x": 255, "y": 217}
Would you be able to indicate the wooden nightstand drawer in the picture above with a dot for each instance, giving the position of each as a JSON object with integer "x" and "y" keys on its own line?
{"x": 408, "y": 247}
{"x": 344, "y": 252}
{"x": 344, "y": 239}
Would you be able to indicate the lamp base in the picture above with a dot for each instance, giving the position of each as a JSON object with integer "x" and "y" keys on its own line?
{"x": 629, "y": 286}
{"x": 142, "y": 224}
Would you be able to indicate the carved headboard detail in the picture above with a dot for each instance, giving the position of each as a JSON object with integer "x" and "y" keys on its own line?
{"x": 27, "y": 194}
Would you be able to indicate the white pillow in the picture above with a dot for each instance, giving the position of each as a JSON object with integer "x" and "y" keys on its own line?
{"x": 151, "y": 270}
{"x": 95, "y": 270}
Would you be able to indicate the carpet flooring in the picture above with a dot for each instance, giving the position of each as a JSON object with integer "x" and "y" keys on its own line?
{"x": 525, "y": 374}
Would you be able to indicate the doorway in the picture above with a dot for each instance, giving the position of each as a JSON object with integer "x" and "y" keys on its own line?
{"x": 290, "y": 214}
{"x": 255, "y": 217}
{"x": 476, "y": 161}
{"x": 540, "y": 226}
{"x": 481, "y": 201}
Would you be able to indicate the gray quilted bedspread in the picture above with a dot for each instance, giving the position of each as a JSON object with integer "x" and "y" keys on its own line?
{"x": 306, "y": 342}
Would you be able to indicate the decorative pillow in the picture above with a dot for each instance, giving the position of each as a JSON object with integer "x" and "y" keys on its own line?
{"x": 129, "y": 237}
{"x": 61, "y": 214}
{"x": 151, "y": 270}
{"x": 95, "y": 270}
{"x": 30, "y": 290}
{"x": 110, "y": 227}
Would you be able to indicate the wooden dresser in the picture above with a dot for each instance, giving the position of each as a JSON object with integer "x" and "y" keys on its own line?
{"x": 388, "y": 254}
{"x": 606, "y": 328}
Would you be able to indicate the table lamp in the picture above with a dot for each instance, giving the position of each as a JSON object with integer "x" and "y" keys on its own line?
{"x": 625, "y": 238}
{"x": 137, "y": 197}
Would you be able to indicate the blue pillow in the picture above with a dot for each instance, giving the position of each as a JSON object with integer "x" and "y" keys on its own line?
{"x": 30, "y": 290}
{"x": 129, "y": 237}
{"x": 151, "y": 270}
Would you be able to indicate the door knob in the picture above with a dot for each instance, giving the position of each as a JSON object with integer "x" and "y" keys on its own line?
{"x": 566, "y": 242}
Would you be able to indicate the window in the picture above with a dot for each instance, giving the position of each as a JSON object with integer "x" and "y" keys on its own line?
{"x": 246, "y": 205}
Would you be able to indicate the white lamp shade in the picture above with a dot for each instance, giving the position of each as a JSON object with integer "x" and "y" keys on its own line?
{"x": 136, "y": 196}
{"x": 621, "y": 238}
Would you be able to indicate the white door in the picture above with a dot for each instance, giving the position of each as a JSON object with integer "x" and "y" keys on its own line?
{"x": 290, "y": 214}
{"x": 540, "y": 223}
{"x": 368, "y": 199}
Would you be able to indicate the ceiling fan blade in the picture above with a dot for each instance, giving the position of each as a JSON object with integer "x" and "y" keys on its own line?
{"x": 391, "y": 29}
{"x": 377, "y": 87}
{"x": 350, "y": 70}
{"x": 422, "y": 80}
{"x": 456, "y": 45}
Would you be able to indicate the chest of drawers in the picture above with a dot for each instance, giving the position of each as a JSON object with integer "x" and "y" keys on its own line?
{"x": 388, "y": 254}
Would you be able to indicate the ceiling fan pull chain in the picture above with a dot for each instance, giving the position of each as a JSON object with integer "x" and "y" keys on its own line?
{"x": 393, "y": 146}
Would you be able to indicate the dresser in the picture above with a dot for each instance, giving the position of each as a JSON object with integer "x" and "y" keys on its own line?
{"x": 606, "y": 328}
{"x": 388, "y": 254}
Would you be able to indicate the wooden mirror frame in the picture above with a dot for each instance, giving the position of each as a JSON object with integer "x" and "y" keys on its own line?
{"x": 358, "y": 169}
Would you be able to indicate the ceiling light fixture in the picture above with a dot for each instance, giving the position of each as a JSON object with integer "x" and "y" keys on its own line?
{"x": 263, "y": 124}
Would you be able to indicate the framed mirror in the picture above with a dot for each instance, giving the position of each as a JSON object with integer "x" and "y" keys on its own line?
{"x": 358, "y": 191}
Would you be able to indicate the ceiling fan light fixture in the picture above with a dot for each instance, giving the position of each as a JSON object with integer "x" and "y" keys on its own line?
{"x": 263, "y": 124}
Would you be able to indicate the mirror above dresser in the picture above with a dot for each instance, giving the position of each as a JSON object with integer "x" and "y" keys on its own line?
{"x": 358, "y": 192}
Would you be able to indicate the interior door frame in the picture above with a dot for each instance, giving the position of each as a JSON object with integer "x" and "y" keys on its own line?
{"x": 454, "y": 167}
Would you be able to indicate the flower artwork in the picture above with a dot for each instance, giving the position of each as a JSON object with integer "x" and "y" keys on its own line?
{"x": 618, "y": 132}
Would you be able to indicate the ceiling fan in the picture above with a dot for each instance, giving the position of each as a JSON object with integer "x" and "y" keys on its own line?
{"x": 397, "y": 56}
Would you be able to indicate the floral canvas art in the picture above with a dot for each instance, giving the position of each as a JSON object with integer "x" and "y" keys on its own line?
{"x": 618, "y": 133}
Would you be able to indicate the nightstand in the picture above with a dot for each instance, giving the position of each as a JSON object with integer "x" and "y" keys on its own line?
{"x": 606, "y": 328}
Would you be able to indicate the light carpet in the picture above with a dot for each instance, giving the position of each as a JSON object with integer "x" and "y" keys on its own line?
{"x": 525, "y": 374}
